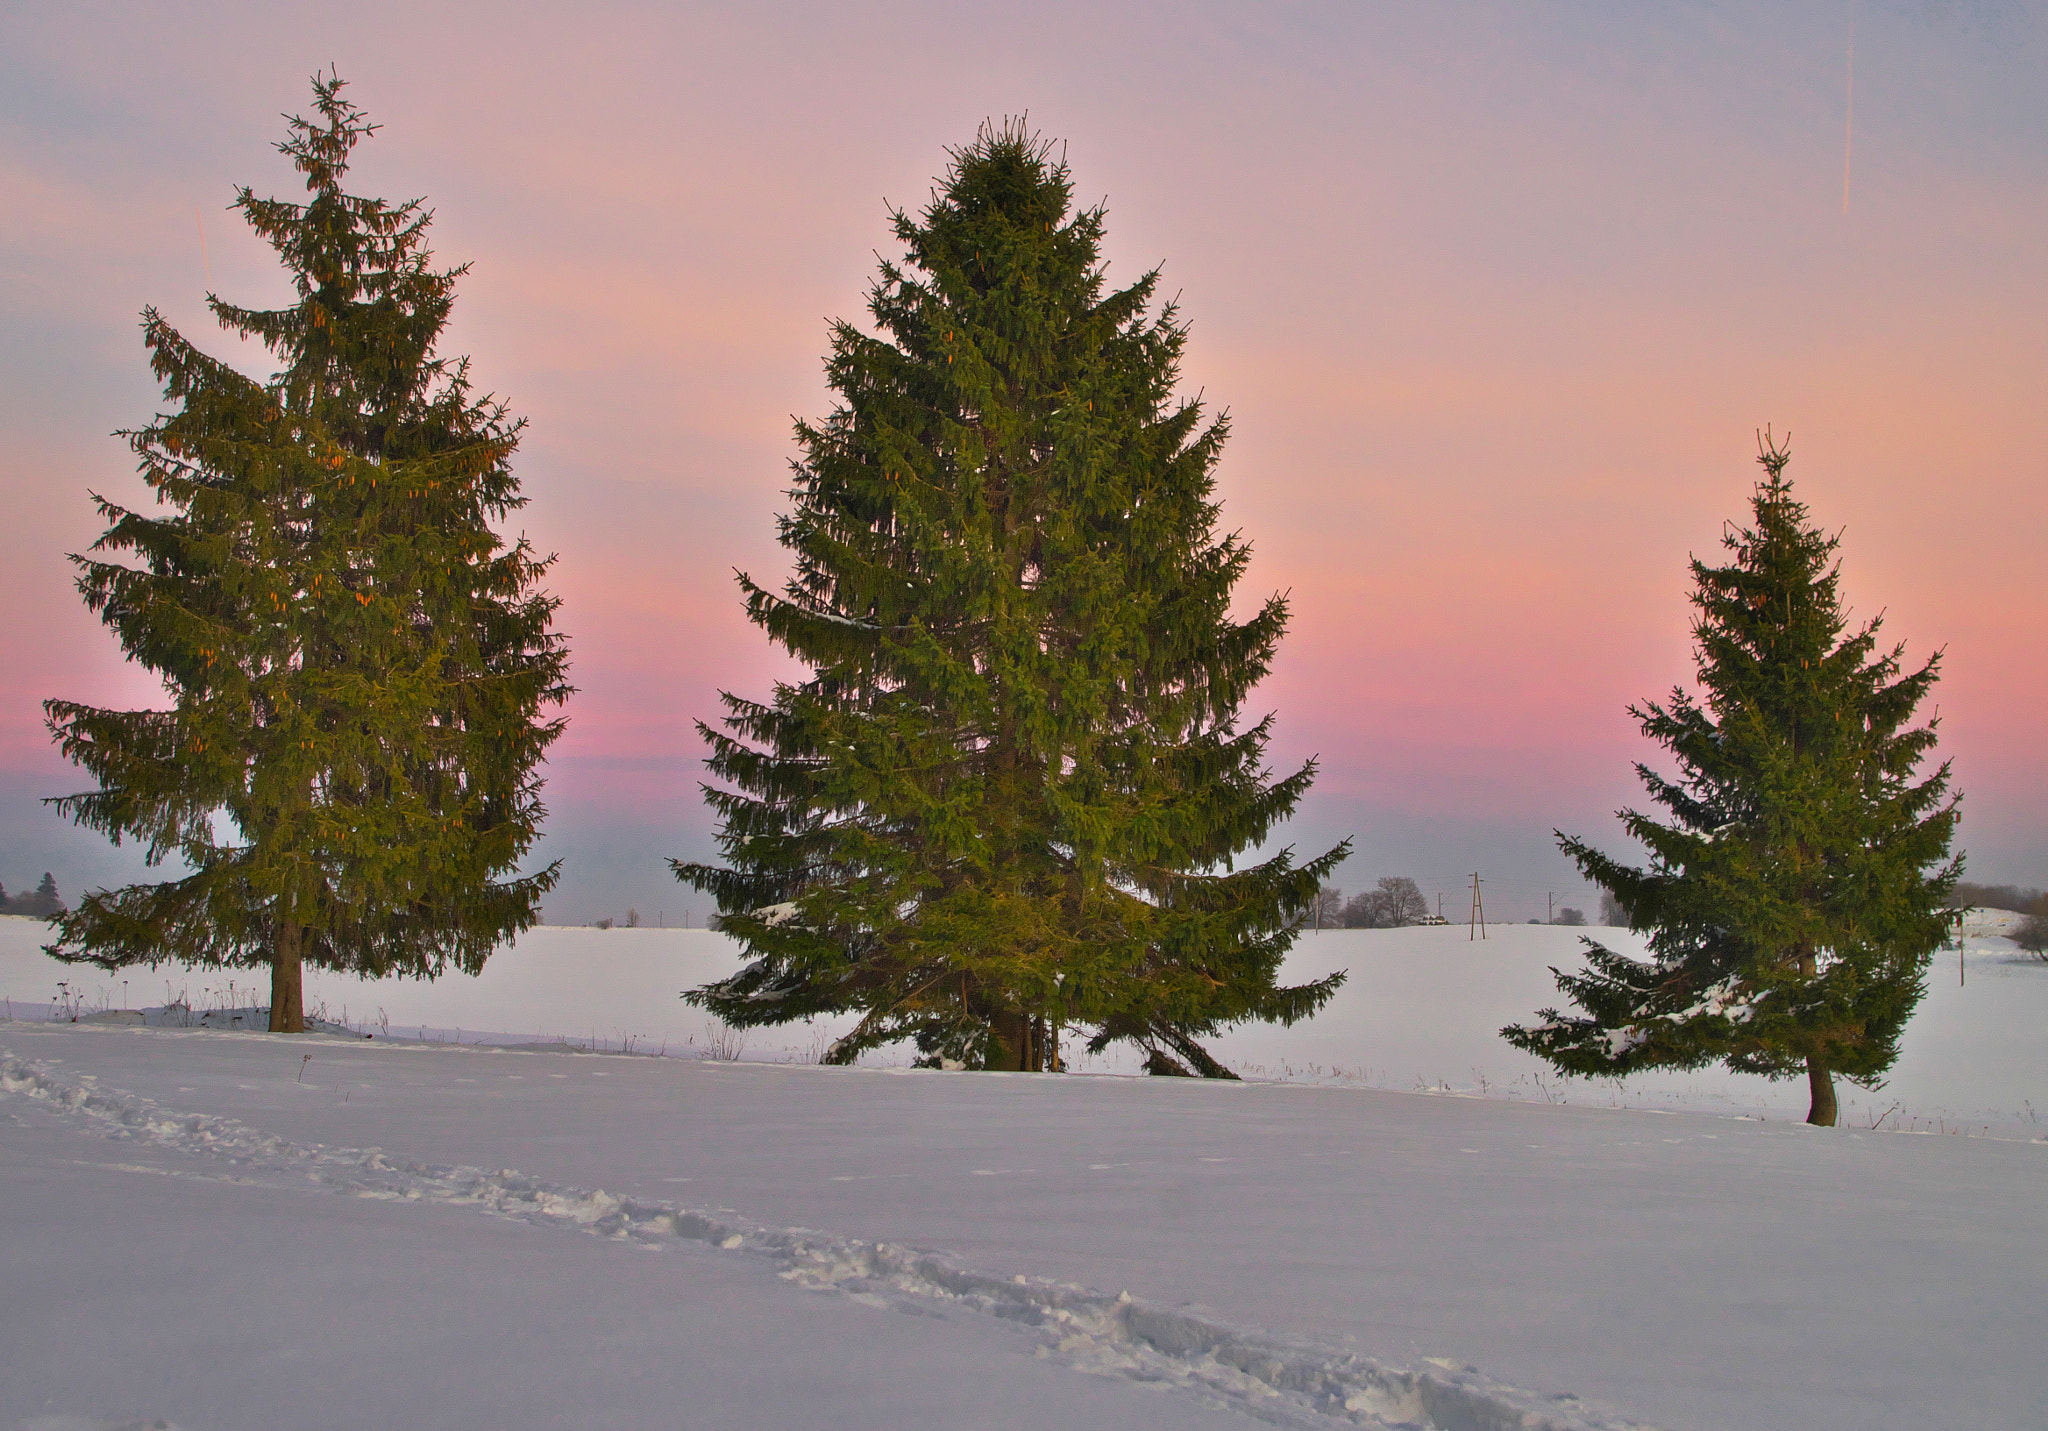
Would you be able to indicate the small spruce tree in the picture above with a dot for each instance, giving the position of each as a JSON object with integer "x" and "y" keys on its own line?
{"x": 357, "y": 663}
{"x": 45, "y": 903}
{"x": 1796, "y": 893}
{"x": 1007, "y": 798}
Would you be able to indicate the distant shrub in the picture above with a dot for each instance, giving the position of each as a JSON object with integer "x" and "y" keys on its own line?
{"x": 723, "y": 1043}
{"x": 605, "y": 923}
{"x": 2032, "y": 935}
{"x": 1571, "y": 916}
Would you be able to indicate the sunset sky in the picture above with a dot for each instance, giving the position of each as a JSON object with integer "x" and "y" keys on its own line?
{"x": 1497, "y": 297}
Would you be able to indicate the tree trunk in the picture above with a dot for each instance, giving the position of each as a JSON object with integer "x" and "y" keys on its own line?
{"x": 287, "y": 985}
{"x": 1822, "y": 1084}
{"x": 1008, "y": 1044}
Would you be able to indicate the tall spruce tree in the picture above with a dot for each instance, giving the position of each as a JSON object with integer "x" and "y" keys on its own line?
{"x": 357, "y": 663}
{"x": 1008, "y": 796}
{"x": 1796, "y": 893}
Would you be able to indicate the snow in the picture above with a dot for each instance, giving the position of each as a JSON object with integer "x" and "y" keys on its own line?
{"x": 1423, "y": 1008}
{"x": 998, "y": 1250}
{"x": 1421, "y": 1011}
{"x": 1620, "y": 1041}
{"x": 149, "y": 1286}
{"x": 1716, "y": 999}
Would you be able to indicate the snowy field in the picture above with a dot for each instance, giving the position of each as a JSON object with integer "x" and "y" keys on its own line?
{"x": 213, "y": 1230}
{"x": 1421, "y": 1011}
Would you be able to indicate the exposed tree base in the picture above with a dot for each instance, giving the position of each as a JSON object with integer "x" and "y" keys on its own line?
{"x": 287, "y": 983}
{"x": 1822, "y": 1083}
{"x": 1162, "y": 1065}
{"x": 1020, "y": 1043}
{"x": 1200, "y": 1062}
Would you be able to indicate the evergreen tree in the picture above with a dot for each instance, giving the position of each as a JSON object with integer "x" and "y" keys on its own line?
{"x": 357, "y": 664}
{"x": 45, "y": 902}
{"x": 1796, "y": 893}
{"x": 1008, "y": 796}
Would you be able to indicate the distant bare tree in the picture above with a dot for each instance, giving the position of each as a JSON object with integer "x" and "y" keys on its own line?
{"x": 1394, "y": 902}
{"x": 1327, "y": 911}
{"x": 1569, "y": 915}
{"x": 1403, "y": 901}
{"x": 1611, "y": 913}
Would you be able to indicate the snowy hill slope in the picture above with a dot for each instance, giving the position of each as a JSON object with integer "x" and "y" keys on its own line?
{"x": 199, "y": 1231}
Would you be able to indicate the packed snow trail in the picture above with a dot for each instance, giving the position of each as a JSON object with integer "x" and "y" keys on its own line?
{"x": 1281, "y": 1381}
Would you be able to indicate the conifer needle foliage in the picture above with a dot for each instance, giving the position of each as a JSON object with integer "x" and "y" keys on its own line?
{"x": 1797, "y": 891}
{"x": 357, "y": 663}
{"x": 1007, "y": 798}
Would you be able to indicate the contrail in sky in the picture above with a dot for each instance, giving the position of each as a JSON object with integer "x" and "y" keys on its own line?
{"x": 1849, "y": 124}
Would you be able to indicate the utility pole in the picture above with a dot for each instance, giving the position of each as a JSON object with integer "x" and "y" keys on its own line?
{"x": 1478, "y": 929}
{"x": 1550, "y": 907}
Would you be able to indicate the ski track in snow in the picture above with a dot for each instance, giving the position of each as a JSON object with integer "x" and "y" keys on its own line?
{"x": 1281, "y": 1381}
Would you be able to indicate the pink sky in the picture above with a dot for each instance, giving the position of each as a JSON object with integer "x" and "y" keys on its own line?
{"x": 1497, "y": 298}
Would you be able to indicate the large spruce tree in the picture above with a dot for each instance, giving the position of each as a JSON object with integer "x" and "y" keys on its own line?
{"x": 1007, "y": 797}
{"x": 357, "y": 663}
{"x": 1797, "y": 891}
